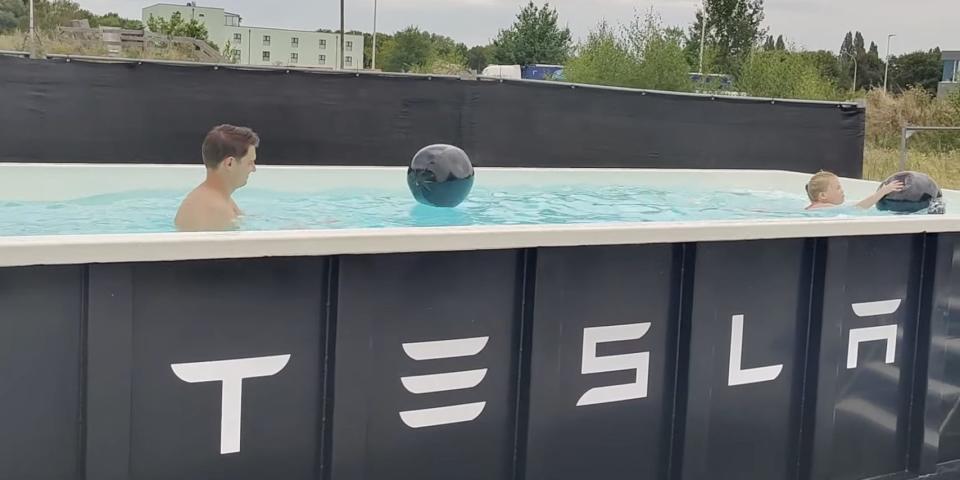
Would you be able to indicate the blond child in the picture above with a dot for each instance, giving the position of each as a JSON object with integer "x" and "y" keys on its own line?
{"x": 824, "y": 191}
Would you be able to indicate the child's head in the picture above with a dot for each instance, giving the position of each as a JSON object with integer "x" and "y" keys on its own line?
{"x": 824, "y": 187}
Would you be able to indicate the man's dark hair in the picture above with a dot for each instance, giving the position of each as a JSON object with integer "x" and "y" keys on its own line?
{"x": 227, "y": 141}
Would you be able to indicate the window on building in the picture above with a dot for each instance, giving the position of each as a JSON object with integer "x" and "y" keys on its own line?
{"x": 323, "y": 59}
{"x": 323, "y": 44}
{"x": 349, "y": 46}
{"x": 266, "y": 40}
{"x": 950, "y": 70}
{"x": 348, "y": 61}
{"x": 266, "y": 56}
{"x": 294, "y": 42}
{"x": 294, "y": 58}
{"x": 236, "y": 55}
{"x": 237, "y": 37}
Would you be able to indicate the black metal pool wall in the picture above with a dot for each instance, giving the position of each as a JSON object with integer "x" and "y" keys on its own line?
{"x": 800, "y": 359}
{"x": 128, "y": 112}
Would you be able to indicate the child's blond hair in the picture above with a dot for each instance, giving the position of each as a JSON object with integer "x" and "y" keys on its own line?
{"x": 819, "y": 183}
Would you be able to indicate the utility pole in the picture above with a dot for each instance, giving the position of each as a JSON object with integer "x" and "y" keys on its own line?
{"x": 703, "y": 36}
{"x": 886, "y": 69}
{"x": 34, "y": 53}
{"x": 373, "y": 61}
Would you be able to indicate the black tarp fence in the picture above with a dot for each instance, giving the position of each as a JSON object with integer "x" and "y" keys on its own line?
{"x": 72, "y": 110}
{"x": 790, "y": 359}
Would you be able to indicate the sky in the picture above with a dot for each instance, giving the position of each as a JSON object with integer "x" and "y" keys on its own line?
{"x": 809, "y": 24}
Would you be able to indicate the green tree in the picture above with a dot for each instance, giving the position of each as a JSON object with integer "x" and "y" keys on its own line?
{"x": 11, "y": 14}
{"x": 602, "y": 60}
{"x": 112, "y": 19}
{"x": 784, "y": 74}
{"x": 479, "y": 57}
{"x": 769, "y": 45}
{"x": 176, "y": 26}
{"x": 827, "y": 64}
{"x": 847, "y": 46}
{"x": 858, "y": 45}
{"x": 868, "y": 63}
{"x": 50, "y": 15}
{"x": 409, "y": 49}
{"x": 917, "y": 69}
{"x": 780, "y": 44}
{"x": 534, "y": 37}
{"x": 733, "y": 28}
{"x": 659, "y": 53}
{"x": 644, "y": 55}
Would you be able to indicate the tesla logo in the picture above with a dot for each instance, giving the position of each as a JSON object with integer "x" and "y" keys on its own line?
{"x": 230, "y": 373}
{"x": 742, "y": 376}
{"x": 442, "y": 382}
{"x": 591, "y": 363}
{"x": 886, "y": 333}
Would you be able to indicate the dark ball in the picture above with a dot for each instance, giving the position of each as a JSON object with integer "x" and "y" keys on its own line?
{"x": 440, "y": 176}
{"x": 920, "y": 194}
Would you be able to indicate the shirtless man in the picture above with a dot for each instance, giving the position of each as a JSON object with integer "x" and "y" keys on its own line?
{"x": 230, "y": 155}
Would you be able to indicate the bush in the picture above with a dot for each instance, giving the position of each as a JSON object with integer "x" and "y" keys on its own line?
{"x": 785, "y": 74}
{"x": 644, "y": 55}
{"x": 603, "y": 60}
{"x": 887, "y": 114}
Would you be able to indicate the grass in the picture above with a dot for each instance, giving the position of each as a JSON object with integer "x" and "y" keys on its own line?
{"x": 53, "y": 44}
{"x": 944, "y": 167}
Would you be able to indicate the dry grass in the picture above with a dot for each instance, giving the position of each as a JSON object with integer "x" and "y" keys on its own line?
{"x": 934, "y": 153}
{"x": 13, "y": 42}
{"x": 54, "y": 44}
{"x": 887, "y": 114}
{"x": 944, "y": 166}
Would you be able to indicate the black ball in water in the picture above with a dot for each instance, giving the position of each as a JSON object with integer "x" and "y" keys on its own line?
{"x": 440, "y": 176}
{"x": 920, "y": 194}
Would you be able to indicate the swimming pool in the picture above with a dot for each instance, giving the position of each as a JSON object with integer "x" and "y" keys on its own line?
{"x": 725, "y": 348}
{"x": 381, "y": 200}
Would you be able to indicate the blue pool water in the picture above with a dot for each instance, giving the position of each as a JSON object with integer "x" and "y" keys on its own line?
{"x": 153, "y": 211}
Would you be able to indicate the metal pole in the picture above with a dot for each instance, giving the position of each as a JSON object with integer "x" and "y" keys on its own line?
{"x": 343, "y": 34}
{"x": 886, "y": 69}
{"x": 903, "y": 149}
{"x": 703, "y": 36}
{"x": 852, "y": 57}
{"x": 33, "y": 34}
{"x": 854, "y": 75}
{"x": 908, "y": 132}
{"x": 373, "y": 61}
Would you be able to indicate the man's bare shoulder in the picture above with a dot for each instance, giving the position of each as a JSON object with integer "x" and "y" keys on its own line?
{"x": 205, "y": 209}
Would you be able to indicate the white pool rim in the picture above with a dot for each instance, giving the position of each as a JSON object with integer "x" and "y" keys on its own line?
{"x": 47, "y": 181}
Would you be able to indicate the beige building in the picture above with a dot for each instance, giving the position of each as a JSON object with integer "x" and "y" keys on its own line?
{"x": 249, "y": 45}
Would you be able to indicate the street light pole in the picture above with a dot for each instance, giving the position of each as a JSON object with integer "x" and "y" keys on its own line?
{"x": 373, "y": 61}
{"x": 703, "y": 35}
{"x": 33, "y": 34}
{"x": 886, "y": 69}
{"x": 343, "y": 34}
{"x": 852, "y": 57}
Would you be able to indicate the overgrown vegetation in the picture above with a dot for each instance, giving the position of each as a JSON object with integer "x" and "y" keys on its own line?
{"x": 14, "y": 16}
{"x": 642, "y": 54}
